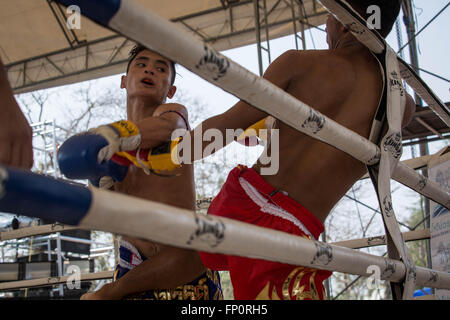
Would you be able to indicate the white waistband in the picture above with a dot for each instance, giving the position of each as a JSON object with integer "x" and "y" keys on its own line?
{"x": 271, "y": 208}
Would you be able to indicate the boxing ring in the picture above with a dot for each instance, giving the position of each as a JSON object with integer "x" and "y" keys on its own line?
{"x": 51, "y": 281}
{"x": 96, "y": 209}
{"x": 33, "y": 231}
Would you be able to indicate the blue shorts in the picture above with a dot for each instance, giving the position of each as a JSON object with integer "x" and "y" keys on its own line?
{"x": 205, "y": 287}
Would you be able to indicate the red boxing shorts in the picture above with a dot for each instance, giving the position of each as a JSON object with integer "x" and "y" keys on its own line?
{"x": 246, "y": 197}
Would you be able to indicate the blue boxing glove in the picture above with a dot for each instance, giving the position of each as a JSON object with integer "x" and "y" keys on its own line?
{"x": 78, "y": 158}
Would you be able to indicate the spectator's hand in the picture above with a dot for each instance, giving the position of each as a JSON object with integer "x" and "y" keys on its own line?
{"x": 15, "y": 135}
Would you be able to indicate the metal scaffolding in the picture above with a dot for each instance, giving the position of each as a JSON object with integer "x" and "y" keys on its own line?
{"x": 262, "y": 17}
{"x": 46, "y": 138}
{"x": 262, "y": 27}
{"x": 426, "y": 126}
{"x": 410, "y": 25}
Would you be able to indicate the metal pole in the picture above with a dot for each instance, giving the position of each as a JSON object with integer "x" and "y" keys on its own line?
{"x": 266, "y": 20}
{"x": 426, "y": 25}
{"x": 59, "y": 262}
{"x": 302, "y": 25}
{"x": 49, "y": 250}
{"x": 49, "y": 258}
{"x": 408, "y": 19}
{"x": 45, "y": 148}
{"x": 80, "y": 240}
{"x": 231, "y": 20}
{"x": 55, "y": 163}
{"x": 17, "y": 251}
{"x": 398, "y": 31}
{"x": 327, "y": 282}
{"x": 116, "y": 242}
{"x": 294, "y": 20}
{"x": 258, "y": 35}
{"x": 423, "y": 152}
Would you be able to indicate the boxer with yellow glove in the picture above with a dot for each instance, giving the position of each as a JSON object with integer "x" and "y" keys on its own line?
{"x": 103, "y": 154}
{"x": 146, "y": 269}
{"x": 158, "y": 160}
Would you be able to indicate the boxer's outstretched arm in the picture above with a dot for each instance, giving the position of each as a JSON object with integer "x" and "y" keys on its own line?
{"x": 242, "y": 115}
{"x": 159, "y": 128}
{"x": 168, "y": 269}
{"x": 15, "y": 132}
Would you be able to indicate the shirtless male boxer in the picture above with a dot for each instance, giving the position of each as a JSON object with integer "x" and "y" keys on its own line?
{"x": 345, "y": 84}
{"x": 150, "y": 270}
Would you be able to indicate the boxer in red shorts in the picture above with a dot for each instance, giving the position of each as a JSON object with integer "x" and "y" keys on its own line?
{"x": 245, "y": 196}
{"x": 343, "y": 83}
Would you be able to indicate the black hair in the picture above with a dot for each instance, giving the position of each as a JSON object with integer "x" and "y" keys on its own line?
{"x": 138, "y": 48}
{"x": 390, "y": 10}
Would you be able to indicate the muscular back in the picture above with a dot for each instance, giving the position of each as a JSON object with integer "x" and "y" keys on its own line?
{"x": 345, "y": 86}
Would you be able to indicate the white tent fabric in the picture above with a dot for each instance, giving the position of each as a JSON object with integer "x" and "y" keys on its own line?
{"x": 40, "y": 51}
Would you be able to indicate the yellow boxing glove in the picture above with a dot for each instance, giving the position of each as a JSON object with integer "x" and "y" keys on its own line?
{"x": 253, "y": 134}
{"x": 158, "y": 160}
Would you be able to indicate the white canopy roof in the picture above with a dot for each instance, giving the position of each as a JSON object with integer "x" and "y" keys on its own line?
{"x": 40, "y": 51}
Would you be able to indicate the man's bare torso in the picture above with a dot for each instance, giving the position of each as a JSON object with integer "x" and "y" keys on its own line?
{"x": 345, "y": 86}
{"x": 178, "y": 191}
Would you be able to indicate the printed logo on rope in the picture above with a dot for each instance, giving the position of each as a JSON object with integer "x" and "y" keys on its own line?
{"x": 373, "y": 281}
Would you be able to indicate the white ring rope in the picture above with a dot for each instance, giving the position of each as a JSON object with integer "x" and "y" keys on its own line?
{"x": 159, "y": 222}
{"x": 160, "y": 35}
{"x": 353, "y": 244}
{"x": 389, "y": 114}
{"x": 57, "y": 227}
{"x": 265, "y": 96}
{"x": 34, "y": 231}
{"x": 213, "y": 234}
{"x": 421, "y": 162}
{"x": 381, "y": 240}
{"x": 50, "y": 281}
